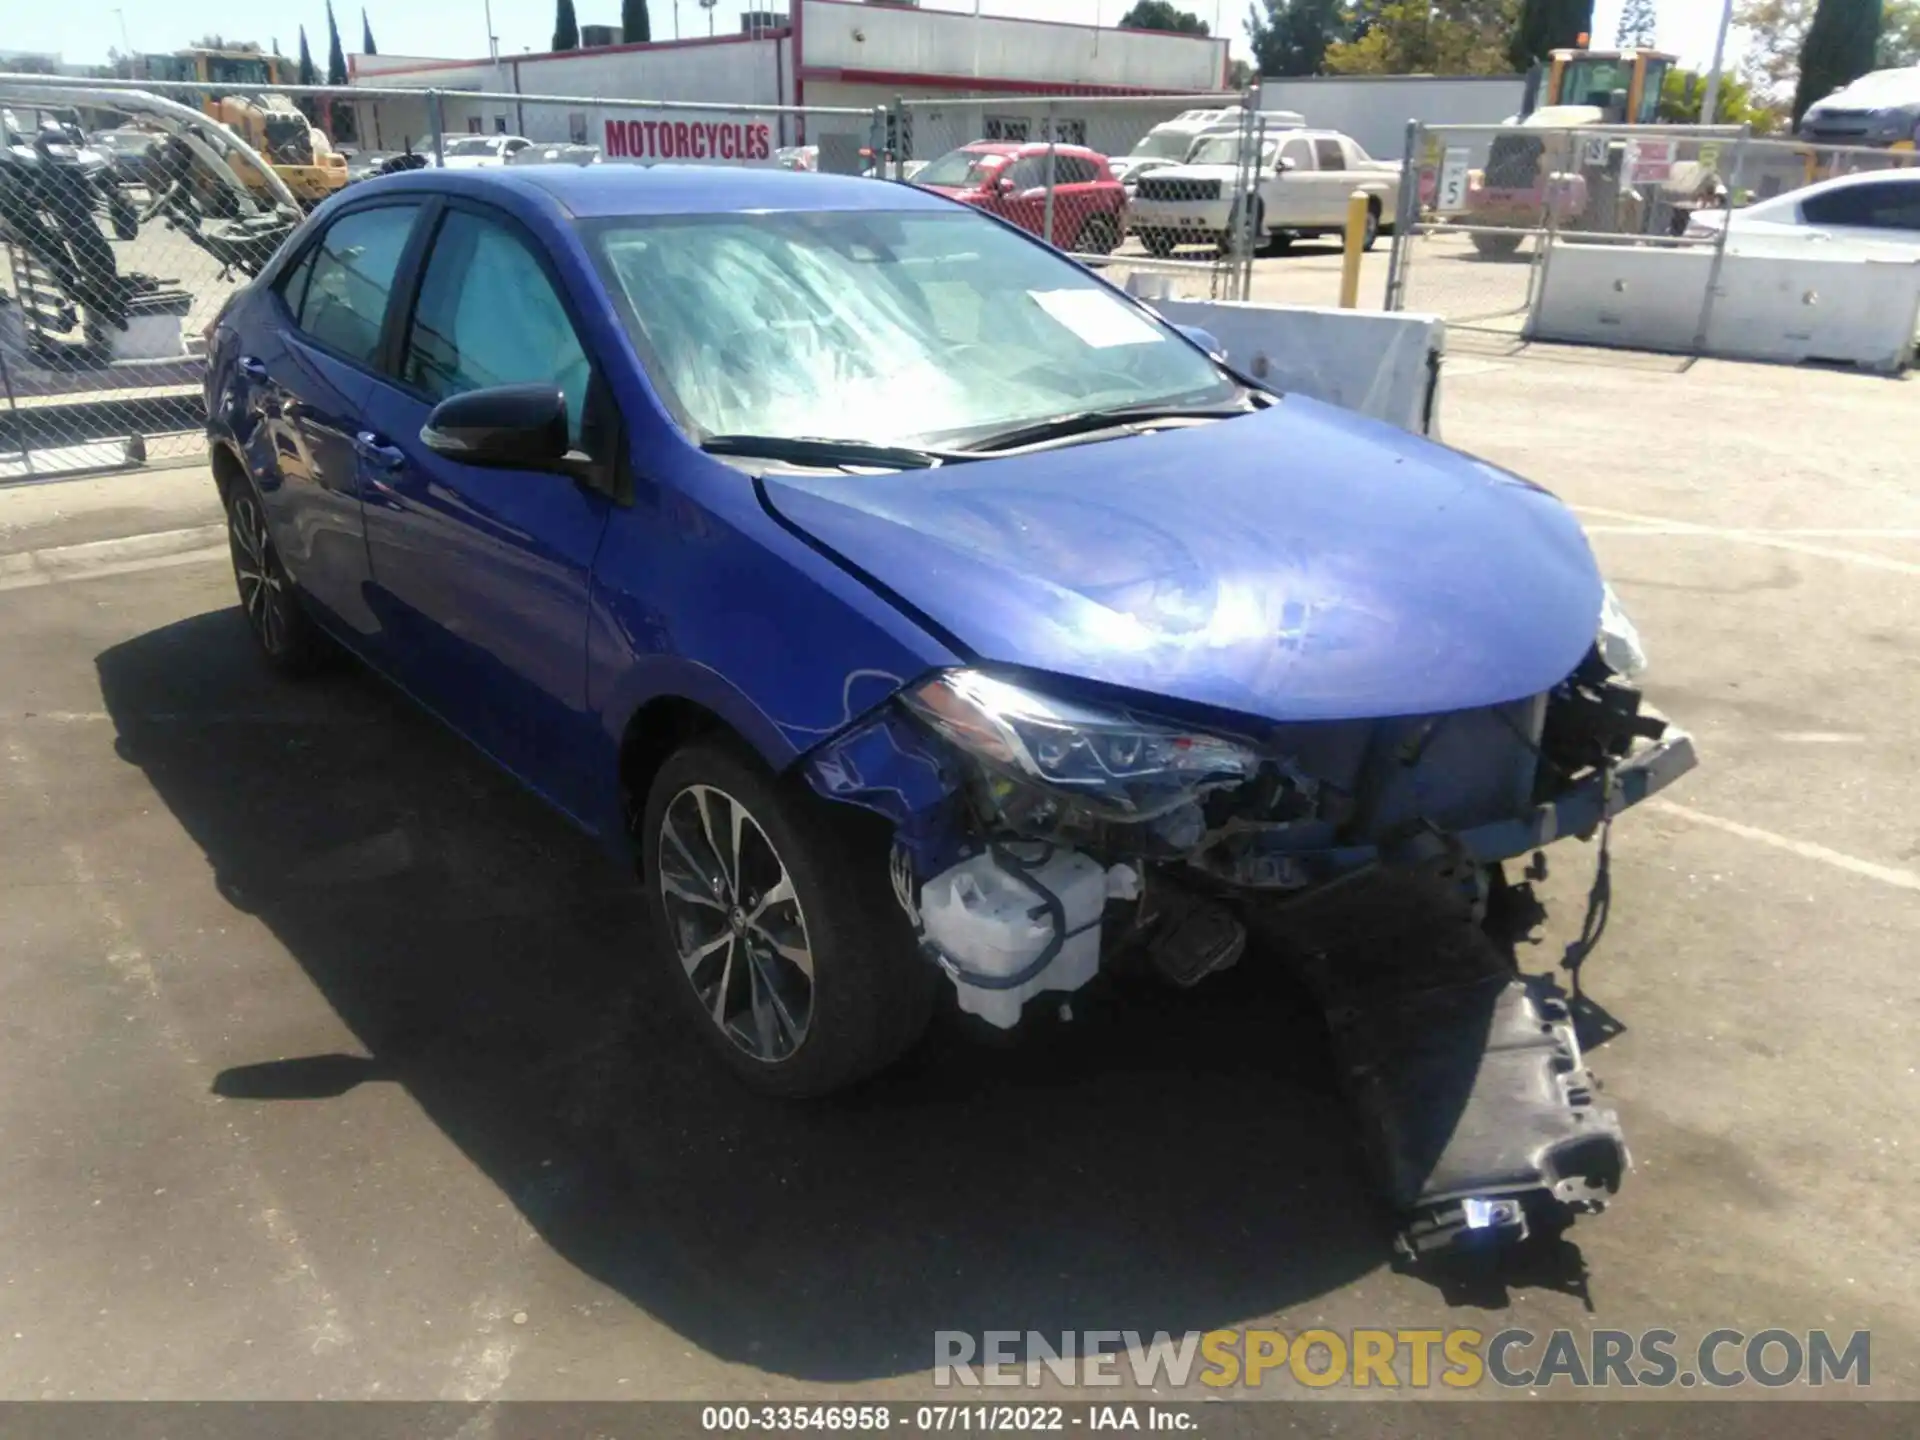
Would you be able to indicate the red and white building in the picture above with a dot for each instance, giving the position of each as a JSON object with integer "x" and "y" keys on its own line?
{"x": 824, "y": 53}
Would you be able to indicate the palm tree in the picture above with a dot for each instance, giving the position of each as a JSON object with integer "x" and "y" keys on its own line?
{"x": 707, "y": 5}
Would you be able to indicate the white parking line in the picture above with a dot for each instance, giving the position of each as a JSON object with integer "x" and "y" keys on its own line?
{"x": 1772, "y": 539}
{"x": 1806, "y": 850}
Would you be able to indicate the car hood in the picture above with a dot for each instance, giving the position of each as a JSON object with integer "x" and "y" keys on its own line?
{"x": 1303, "y": 563}
{"x": 1195, "y": 172}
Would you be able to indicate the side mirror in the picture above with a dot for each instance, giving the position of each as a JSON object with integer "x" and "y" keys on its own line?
{"x": 1282, "y": 165}
{"x": 1004, "y": 185}
{"x": 1205, "y": 339}
{"x": 509, "y": 427}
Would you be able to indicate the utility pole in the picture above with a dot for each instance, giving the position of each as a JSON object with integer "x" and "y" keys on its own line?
{"x": 1712, "y": 100}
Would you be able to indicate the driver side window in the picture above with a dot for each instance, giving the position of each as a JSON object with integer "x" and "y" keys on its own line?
{"x": 1299, "y": 152}
{"x": 488, "y": 315}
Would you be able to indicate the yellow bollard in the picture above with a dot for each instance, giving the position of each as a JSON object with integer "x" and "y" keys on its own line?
{"x": 1350, "y": 258}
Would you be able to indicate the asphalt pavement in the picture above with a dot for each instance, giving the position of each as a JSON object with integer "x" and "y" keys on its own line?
{"x": 332, "y": 1066}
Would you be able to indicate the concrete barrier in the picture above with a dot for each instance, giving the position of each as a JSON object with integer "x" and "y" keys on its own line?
{"x": 1857, "y": 305}
{"x": 1383, "y": 365}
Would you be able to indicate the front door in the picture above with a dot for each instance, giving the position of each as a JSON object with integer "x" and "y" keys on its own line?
{"x": 1290, "y": 199}
{"x": 482, "y": 575}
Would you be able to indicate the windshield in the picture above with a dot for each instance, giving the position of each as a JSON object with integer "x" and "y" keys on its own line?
{"x": 1164, "y": 144}
{"x": 894, "y": 328}
{"x": 960, "y": 170}
{"x": 1225, "y": 150}
{"x": 471, "y": 145}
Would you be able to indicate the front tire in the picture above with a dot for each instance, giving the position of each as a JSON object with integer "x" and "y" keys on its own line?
{"x": 776, "y": 921}
{"x": 1158, "y": 243}
{"x": 288, "y": 640}
{"x": 1496, "y": 247}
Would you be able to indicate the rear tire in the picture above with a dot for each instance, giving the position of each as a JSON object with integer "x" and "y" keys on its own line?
{"x": 1496, "y": 247}
{"x": 1372, "y": 232}
{"x": 1098, "y": 236}
{"x": 289, "y": 641}
{"x": 1158, "y": 243}
{"x": 785, "y": 945}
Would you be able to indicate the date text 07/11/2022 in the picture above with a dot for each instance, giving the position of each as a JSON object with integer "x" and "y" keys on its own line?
{"x": 940, "y": 1418}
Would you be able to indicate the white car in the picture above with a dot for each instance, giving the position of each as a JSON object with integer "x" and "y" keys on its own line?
{"x": 1875, "y": 206}
{"x": 481, "y": 152}
{"x": 1171, "y": 141}
{"x": 1305, "y": 178}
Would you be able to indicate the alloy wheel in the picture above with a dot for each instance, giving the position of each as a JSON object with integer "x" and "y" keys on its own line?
{"x": 736, "y": 923}
{"x": 256, "y": 569}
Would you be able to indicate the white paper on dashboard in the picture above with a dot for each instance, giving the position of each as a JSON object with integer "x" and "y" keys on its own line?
{"x": 1097, "y": 318}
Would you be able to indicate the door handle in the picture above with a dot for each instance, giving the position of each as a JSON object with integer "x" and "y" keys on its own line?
{"x": 253, "y": 369}
{"x": 376, "y": 452}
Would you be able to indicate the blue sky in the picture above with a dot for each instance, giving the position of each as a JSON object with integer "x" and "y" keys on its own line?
{"x": 82, "y": 30}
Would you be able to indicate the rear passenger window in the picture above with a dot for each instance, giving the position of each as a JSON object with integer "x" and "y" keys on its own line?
{"x": 351, "y": 279}
{"x": 1328, "y": 155}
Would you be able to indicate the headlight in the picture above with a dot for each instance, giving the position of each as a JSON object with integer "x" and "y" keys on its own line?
{"x": 1618, "y": 640}
{"x": 1114, "y": 764}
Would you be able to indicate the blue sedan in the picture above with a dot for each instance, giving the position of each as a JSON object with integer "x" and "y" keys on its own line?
{"x": 919, "y": 613}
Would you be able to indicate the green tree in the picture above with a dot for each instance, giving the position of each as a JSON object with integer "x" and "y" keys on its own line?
{"x": 1638, "y": 26}
{"x": 1446, "y": 37}
{"x": 366, "y": 35}
{"x": 1162, "y": 15}
{"x": 1839, "y": 49}
{"x": 566, "y": 29}
{"x": 1774, "y": 32}
{"x": 308, "y": 75}
{"x": 1683, "y": 92}
{"x": 1547, "y": 25}
{"x": 1292, "y": 37}
{"x": 336, "y": 57}
{"x": 636, "y": 25}
{"x": 1899, "y": 34}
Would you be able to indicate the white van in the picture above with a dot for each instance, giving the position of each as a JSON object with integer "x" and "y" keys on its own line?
{"x": 1169, "y": 142}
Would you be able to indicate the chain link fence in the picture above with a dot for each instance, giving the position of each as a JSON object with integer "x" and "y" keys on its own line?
{"x": 1146, "y": 189}
{"x": 1485, "y": 209}
{"x": 131, "y": 210}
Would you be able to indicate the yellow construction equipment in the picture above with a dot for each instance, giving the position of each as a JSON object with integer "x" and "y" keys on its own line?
{"x": 274, "y": 129}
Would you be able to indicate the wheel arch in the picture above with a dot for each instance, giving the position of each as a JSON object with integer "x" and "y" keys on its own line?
{"x": 228, "y": 469}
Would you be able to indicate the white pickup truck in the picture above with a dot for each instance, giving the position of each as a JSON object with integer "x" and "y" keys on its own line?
{"x": 1305, "y": 177}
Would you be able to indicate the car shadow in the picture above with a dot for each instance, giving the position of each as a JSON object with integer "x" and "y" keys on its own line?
{"x": 1163, "y": 1161}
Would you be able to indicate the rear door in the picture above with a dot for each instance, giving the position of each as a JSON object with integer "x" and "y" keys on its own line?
{"x": 1333, "y": 181}
{"x": 308, "y": 373}
{"x": 482, "y": 575}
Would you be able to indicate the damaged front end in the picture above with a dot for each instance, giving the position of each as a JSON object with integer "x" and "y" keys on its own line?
{"x": 1042, "y": 837}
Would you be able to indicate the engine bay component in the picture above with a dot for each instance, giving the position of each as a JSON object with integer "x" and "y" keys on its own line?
{"x": 1014, "y": 920}
{"x": 1195, "y": 938}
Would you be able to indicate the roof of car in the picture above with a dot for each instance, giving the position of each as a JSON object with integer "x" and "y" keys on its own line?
{"x": 1027, "y": 147}
{"x": 591, "y": 191}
